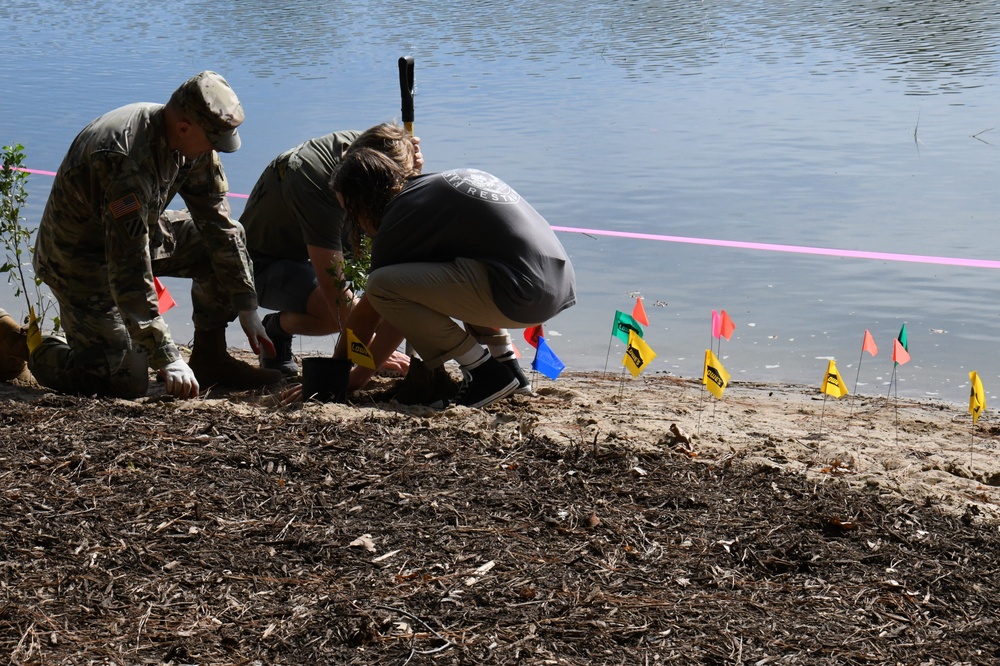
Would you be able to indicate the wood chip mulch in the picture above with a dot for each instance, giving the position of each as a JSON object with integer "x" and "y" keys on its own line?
{"x": 162, "y": 533}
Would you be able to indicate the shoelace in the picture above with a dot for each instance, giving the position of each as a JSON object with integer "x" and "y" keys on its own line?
{"x": 466, "y": 382}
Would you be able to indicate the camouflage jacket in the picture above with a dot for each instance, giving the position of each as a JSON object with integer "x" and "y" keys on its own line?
{"x": 100, "y": 227}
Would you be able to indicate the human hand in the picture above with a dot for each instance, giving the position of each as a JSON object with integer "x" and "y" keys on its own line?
{"x": 291, "y": 395}
{"x": 397, "y": 364}
{"x": 254, "y": 329}
{"x": 180, "y": 380}
{"x": 418, "y": 157}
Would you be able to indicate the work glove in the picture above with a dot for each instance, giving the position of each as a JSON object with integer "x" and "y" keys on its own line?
{"x": 254, "y": 328}
{"x": 180, "y": 380}
{"x": 34, "y": 333}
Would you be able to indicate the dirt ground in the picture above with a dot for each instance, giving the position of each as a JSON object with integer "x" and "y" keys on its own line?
{"x": 602, "y": 520}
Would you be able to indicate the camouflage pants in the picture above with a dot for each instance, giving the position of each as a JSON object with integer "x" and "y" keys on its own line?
{"x": 97, "y": 356}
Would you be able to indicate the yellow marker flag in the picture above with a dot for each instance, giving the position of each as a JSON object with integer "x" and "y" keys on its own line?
{"x": 638, "y": 354}
{"x": 715, "y": 376}
{"x": 358, "y": 353}
{"x": 34, "y": 334}
{"x": 977, "y": 397}
{"x": 832, "y": 383}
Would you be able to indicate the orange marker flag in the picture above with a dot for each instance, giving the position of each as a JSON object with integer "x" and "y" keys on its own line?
{"x": 532, "y": 333}
{"x": 639, "y": 312}
{"x": 869, "y": 344}
{"x": 726, "y": 325}
{"x": 163, "y": 297}
{"x": 899, "y": 353}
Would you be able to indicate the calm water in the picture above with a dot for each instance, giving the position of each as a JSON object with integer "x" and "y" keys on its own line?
{"x": 851, "y": 125}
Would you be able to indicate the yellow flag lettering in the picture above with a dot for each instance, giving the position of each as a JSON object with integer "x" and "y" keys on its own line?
{"x": 714, "y": 377}
{"x": 358, "y": 352}
{"x": 638, "y": 354}
{"x": 832, "y": 383}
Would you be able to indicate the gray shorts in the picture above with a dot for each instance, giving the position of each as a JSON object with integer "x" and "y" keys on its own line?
{"x": 283, "y": 284}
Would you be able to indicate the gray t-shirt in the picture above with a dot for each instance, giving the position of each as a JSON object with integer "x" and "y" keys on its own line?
{"x": 440, "y": 217}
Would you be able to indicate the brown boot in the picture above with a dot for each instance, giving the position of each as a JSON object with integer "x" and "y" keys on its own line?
{"x": 213, "y": 366}
{"x": 13, "y": 349}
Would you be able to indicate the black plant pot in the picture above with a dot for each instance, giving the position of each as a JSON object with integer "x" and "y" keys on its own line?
{"x": 325, "y": 379}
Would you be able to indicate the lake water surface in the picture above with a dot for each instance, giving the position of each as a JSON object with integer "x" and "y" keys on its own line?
{"x": 847, "y": 125}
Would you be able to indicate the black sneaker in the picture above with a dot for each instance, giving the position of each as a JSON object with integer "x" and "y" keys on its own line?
{"x": 511, "y": 363}
{"x": 486, "y": 381}
{"x": 283, "y": 360}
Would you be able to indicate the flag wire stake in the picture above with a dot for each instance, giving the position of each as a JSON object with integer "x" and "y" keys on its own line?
{"x": 822, "y": 414}
{"x": 608, "y": 357}
{"x": 856, "y": 381}
{"x": 972, "y": 442}
{"x": 895, "y": 402}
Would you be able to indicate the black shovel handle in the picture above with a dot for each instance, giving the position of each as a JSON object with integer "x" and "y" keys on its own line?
{"x": 406, "y": 90}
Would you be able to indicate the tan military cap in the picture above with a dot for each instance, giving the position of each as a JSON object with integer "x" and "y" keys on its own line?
{"x": 208, "y": 100}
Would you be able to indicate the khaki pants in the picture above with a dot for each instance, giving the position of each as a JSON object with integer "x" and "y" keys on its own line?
{"x": 423, "y": 300}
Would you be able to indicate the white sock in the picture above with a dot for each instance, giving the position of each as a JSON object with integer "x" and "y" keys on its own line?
{"x": 473, "y": 357}
{"x": 500, "y": 351}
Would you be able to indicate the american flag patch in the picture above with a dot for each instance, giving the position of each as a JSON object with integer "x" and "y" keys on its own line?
{"x": 127, "y": 204}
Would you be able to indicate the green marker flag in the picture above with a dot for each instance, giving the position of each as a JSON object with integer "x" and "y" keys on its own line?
{"x": 901, "y": 342}
{"x": 623, "y": 324}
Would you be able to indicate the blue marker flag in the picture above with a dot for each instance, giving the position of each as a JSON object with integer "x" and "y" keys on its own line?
{"x": 546, "y": 362}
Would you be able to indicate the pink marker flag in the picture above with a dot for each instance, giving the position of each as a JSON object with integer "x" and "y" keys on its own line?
{"x": 869, "y": 344}
{"x": 726, "y": 325}
{"x": 163, "y": 297}
{"x": 899, "y": 353}
{"x": 716, "y": 325}
{"x": 639, "y": 312}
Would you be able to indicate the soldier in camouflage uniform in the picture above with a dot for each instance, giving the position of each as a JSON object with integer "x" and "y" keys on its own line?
{"x": 105, "y": 234}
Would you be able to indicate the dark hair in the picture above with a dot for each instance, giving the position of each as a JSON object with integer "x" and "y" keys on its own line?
{"x": 394, "y": 142}
{"x": 368, "y": 179}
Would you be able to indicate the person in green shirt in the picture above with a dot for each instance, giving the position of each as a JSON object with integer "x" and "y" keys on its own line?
{"x": 296, "y": 231}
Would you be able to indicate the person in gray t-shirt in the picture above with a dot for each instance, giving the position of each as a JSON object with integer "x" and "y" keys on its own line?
{"x": 457, "y": 245}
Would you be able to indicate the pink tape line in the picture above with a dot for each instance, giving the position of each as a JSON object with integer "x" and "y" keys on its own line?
{"x": 52, "y": 173}
{"x": 799, "y": 249}
{"x": 744, "y": 245}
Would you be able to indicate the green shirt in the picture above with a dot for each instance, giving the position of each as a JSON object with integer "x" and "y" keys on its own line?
{"x": 292, "y": 205}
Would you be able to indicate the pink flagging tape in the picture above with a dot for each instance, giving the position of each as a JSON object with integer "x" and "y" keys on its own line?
{"x": 743, "y": 245}
{"x": 800, "y": 249}
{"x": 52, "y": 173}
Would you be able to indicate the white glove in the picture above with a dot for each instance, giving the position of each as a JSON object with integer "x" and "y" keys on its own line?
{"x": 254, "y": 328}
{"x": 180, "y": 379}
